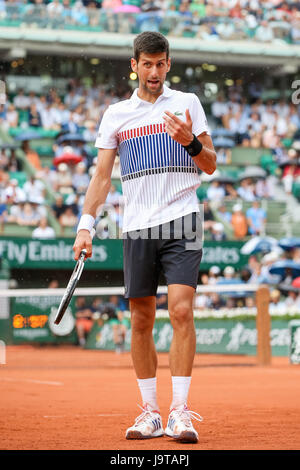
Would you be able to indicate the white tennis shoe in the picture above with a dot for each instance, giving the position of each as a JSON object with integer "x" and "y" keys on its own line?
{"x": 147, "y": 425}
{"x": 180, "y": 424}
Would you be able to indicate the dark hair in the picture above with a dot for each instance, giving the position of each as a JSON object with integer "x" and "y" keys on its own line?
{"x": 150, "y": 42}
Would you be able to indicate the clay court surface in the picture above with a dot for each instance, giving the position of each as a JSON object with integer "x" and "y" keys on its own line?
{"x": 63, "y": 397}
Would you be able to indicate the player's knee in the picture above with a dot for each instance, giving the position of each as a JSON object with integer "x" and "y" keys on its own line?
{"x": 141, "y": 322}
{"x": 181, "y": 314}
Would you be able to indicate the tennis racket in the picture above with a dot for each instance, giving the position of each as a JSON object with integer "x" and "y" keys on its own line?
{"x": 71, "y": 285}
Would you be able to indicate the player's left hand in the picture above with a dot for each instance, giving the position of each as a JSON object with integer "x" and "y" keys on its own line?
{"x": 177, "y": 129}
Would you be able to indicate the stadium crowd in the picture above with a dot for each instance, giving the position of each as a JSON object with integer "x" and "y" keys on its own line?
{"x": 262, "y": 21}
{"x": 246, "y": 122}
{"x": 243, "y": 121}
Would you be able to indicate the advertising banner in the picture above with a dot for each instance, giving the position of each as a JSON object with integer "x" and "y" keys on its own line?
{"x": 32, "y": 321}
{"x": 222, "y": 336}
{"x": 26, "y": 253}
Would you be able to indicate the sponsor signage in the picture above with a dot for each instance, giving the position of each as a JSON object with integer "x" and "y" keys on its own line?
{"x": 32, "y": 320}
{"x": 221, "y": 336}
{"x": 107, "y": 254}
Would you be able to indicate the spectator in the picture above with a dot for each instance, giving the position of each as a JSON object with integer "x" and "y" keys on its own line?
{"x": 265, "y": 188}
{"x": 55, "y": 9}
{"x": 38, "y": 206}
{"x": 239, "y": 222}
{"x": 245, "y": 274}
{"x": 202, "y": 301}
{"x": 84, "y": 320}
{"x": 162, "y": 301}
{"x": 59, "y": 206}
{"x": 215, "y": 192}
{"x": 291, "y": 173}
{"x": 75, "y": 201}
{"x": 53, "y": 284}
{"x": 246, "y": 190}
{"x": 229, "y": 272}
{"x": 12, "y": 116}
{"x": 292, "y": 300}
{"x": 113, "y": 196}
{"x": 276, "y": 306}
{"x": 256, "y": 217}
{"x": 209, "y": 218}
{"x": 21, "y": 101}
{"x": 214, "y": 275}
{"x": 79, "y": 14}
{"x": 117, "y": 321}
{"x": 28, "y": 216}
{"x": 14, "y": 164}
{"x": 224, "y": 214}
{"x": 34, "y": 117}
{"x": 3, "y": 216}
{"x": 35, "y": 189}
{"x": 217, "y": 232}
{"x": 80, "y": 179}
{"x": 12, "y": 193}
{"x": 264, "y": 32}
{"x": 43, "y": 231}
{"x": 90, "y": 132}
{"x": 67, "y": 219}
{"x": 49, "y": 176}
{"x": 31, "y": 155}
{"x": 64, "y": 179}
{"x": 216, "y": 301}
{"x": 219, "y": 109}
{"x": 230, "y": 192}
{"x": 116, "y": 215}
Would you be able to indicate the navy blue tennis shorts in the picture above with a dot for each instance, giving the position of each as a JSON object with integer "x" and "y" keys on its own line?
{"x": 173, "y": 249}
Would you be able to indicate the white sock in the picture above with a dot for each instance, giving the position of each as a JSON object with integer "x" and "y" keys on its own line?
{"x": 148, "y": 392}
{"x": 181, "y": 387}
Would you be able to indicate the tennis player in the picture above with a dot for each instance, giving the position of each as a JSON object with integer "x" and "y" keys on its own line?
{"x": 162, "y": 139}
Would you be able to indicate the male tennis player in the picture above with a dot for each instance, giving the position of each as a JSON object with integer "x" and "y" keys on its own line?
{"x": 162, "y": 137}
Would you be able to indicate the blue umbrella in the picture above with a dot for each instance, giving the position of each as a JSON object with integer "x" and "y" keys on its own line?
{"x": 259, "y": 245}
{"x": 221, "y": 132}
{"x": 28, "y": 135}
{"x": 70, "y": 138}
{"x": 280, "y": 268}
{"x": 223, "y": 142}
{"x": 289, "y": 243}
{"x": 8, "y": 145}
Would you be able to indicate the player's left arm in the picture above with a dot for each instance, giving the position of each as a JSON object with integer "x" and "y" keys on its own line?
{"x": 182, "y": 132}
{"x": 207, "y": 158}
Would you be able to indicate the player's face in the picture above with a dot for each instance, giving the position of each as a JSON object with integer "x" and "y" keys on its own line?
{"x": 151, "y": 70}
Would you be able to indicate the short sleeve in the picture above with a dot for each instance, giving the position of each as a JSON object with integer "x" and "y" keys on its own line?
{"x": 198, "y": 117}
{"x": 107, "y": 133}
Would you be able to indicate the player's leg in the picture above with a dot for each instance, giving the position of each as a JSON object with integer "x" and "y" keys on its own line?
{"x": 148, "y": 424}
{"x": 181, "y": 358}
{"x": 142, "y": 345}
{"x": 183, "y": 346}
{"x": 181, "y": 260}
{"x": 141, "y": 272}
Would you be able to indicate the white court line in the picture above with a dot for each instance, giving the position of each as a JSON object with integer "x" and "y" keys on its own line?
{"x": 43, "y": 382}
{"x": 83, "y": 416}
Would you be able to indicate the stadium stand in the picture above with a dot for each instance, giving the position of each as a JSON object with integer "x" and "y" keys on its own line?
{"x": 250, "y": 128}
{"x": 263, "y": 21}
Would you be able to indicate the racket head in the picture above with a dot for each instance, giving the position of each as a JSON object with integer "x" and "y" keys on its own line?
{"x": 65, "y": 301}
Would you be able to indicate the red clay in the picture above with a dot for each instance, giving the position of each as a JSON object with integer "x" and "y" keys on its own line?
{"x": 62, "y": 397}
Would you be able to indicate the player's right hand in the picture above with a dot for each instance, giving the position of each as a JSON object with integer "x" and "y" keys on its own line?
{"x": 83, "y": 240}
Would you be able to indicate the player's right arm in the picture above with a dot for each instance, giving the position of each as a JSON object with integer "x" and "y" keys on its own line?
{"x": 96, "y": 195}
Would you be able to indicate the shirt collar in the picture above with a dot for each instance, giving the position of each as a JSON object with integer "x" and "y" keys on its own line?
{"x": 136, "y": 101}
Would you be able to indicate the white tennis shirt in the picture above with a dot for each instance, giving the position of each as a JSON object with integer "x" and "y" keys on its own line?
{"x": 159, "y": 178}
